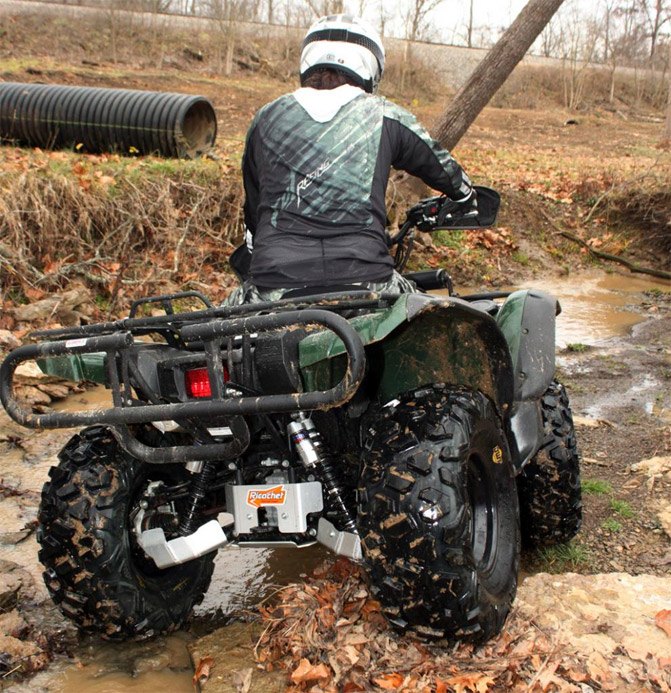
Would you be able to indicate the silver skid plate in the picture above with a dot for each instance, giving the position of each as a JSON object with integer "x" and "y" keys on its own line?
{"x": 287, "y": 505}
{"x": 342, "y": 543}
{"x": 206, "y": 538}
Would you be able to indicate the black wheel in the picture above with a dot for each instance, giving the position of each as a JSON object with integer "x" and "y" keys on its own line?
{"x": 549, "y": 485}
{"x": 94, "y": 568}
{"x": 438, "y": 514}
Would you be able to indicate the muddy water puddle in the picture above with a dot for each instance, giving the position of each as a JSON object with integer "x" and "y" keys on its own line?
{"x": 596, "y": 308}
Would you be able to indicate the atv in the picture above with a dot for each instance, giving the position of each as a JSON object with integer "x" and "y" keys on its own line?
{"x": 424, "y": 435}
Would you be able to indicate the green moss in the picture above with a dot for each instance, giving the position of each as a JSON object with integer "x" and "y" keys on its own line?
{"x": 521, "y": 258}
{"x": 448, "y": 239}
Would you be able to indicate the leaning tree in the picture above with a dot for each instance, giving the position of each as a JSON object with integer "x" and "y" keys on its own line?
{"x": 493, "y": 70}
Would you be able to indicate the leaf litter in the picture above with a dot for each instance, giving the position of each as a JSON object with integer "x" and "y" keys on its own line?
{"x": 328, "y": 634}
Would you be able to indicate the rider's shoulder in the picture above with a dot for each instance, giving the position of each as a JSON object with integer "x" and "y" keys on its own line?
{"x": 396, "y": 111}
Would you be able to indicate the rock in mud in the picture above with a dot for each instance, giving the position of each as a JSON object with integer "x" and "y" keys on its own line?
{"x": 8, "y": 340}
{"x": 29, "y": 633}
{"x": 68, "y": 308}
{"x": 231, "y": 650}
{"x": 664, "y": 517}
{"x": 655, "y": 466}
{"x": 10, "y": 585}
{"x": 13, "y": 579}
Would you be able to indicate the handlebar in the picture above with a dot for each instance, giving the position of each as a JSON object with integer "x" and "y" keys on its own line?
{"x": 440, "y": 212}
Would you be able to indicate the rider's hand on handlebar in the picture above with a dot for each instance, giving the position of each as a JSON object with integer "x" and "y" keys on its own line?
{"x": 436, "y": 212}
{"x": 455, "y": 208}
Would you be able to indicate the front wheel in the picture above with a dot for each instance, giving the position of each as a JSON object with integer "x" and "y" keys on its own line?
{"x": 549, "y": 485}
{"x": 94, "y": 568}
{"x": 438, "y": 514}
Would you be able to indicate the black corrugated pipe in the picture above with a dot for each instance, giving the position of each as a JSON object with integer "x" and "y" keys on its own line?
{"x": 102, "y": 120}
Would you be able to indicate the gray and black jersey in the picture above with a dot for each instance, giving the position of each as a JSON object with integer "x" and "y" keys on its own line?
{"x": 315, "y": 171}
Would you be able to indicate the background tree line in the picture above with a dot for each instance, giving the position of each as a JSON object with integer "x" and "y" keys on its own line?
{"x": 625, "y": 32}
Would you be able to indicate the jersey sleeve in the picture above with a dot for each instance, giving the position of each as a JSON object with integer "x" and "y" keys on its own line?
{"x": 250, "y": 178}
{"x": 415, "y": 151}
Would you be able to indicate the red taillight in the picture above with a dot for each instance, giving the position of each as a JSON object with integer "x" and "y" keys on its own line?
{"x": 198, "y": 382}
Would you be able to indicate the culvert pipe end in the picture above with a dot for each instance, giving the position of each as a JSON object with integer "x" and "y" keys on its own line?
{"x": 97, "y": 120}
{"x": 195, "y": 128}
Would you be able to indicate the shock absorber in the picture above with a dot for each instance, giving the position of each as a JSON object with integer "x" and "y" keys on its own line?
{"x": 308, "y": 443}
{"x": 203, "y": 474}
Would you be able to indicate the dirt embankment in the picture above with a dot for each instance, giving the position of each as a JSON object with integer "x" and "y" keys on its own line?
{"x": 68, "y": 217}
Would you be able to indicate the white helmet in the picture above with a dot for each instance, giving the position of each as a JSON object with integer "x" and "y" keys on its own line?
{"x": 347, "y": 44}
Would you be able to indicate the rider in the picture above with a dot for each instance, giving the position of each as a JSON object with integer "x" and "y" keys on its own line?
{"x": 316, "y": 166}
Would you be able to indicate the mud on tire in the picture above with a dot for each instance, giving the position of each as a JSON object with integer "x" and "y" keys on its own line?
{"x": 438, "y": 514}
{"x": 94, "y": 570}
{"x": 549, "y": 485}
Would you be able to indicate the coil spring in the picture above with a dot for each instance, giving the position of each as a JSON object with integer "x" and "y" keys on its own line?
{"x": 199, "y": 487}
{"x": 326, "y": 472}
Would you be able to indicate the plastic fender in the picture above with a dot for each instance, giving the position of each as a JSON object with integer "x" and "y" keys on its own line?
{"x": 422, "y": 340}
{"x": 527, "y": 320}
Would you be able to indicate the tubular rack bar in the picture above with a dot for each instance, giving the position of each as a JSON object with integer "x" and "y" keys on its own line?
{"x": 334, "y": 303}
{"x": 127, "y": 412}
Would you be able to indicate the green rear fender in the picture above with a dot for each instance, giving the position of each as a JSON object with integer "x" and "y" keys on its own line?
{"x": 420, "y": 339}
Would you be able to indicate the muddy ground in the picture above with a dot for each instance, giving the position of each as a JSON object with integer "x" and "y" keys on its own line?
{"x": 621, "y": 397}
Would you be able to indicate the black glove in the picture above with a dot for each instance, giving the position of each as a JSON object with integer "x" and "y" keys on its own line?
{"x": 456, "y": 208}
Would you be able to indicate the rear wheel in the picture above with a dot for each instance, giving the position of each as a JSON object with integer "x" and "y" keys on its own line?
{"x": 94, "y": 568}
{"x": 549, "y": 485}
{"x": 438, "y": 514}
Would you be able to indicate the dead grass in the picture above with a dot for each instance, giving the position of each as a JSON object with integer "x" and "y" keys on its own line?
{"x": 114, "y": 223}
{"x": 647, "y": 208}
{"x": 536, "y": 87}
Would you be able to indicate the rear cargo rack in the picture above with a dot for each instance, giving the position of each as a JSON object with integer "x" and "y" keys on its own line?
{"x": 208, "y": 331}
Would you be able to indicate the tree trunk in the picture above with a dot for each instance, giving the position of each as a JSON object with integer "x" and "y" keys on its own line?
{"x": 493, "y": 70}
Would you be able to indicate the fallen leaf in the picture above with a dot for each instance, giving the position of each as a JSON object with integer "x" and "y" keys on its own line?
{"x": 305, "y": 671}
{"x": 663, "y": 621}
{"x": 389, "y": 682}
{"x": 599, "y": 670}
{"x": 477, "y": 683}
{"x": 203, "y": 671}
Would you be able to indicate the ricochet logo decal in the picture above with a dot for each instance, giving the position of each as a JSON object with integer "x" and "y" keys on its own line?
{"x": 276, "y": 495}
